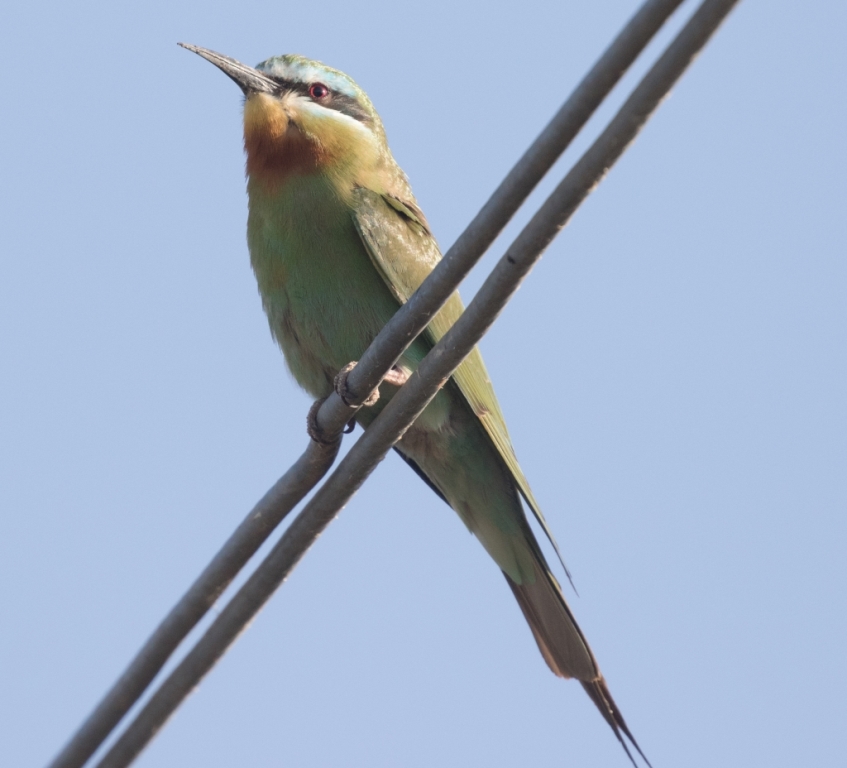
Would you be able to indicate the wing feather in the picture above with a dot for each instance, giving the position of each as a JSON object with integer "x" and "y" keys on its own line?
{"x": 390, "y": 227}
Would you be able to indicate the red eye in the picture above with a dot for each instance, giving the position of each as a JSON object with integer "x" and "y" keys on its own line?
{"x": 318, "y": 91}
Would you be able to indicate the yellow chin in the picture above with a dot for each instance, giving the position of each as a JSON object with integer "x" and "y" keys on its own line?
{"x": 264, "y": 119}
{"x": 275, "y": 148}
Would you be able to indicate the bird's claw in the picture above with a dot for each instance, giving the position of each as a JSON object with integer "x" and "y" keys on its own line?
{"x": 312, "y": 427}
{"x": 396, "y": 377}
{"x": 341, "y": 390}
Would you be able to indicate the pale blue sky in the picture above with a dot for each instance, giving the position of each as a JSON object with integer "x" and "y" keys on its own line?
{"x": 673, "y": 374}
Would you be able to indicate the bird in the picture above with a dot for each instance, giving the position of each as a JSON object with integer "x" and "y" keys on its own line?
{"x": 337, "y": 243}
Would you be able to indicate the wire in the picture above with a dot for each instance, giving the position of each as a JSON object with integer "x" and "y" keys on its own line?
{"x": 382, "y": 354}
{"x": 422, "y": 386}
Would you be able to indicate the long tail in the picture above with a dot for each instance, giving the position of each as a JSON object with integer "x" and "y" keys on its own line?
{"x": 565, "y": 649}
{"x": 462, "y": 467}
{"x": 598, "y": 691}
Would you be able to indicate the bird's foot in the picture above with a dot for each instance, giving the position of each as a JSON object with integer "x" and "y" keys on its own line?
{"x": 314, "y": 430}
{"x": 345, "y": 394}
{"x": 396, "y": 377}
{"x": 312, "y": 427}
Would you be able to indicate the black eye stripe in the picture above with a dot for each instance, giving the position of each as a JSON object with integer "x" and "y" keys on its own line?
{"x": 348, "y": 106}
{"x": 340, "y": 102}
{"x": 290, "y": 85}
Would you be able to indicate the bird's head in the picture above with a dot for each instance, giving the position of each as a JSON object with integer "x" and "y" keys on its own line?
{"x": 303, "y": 117}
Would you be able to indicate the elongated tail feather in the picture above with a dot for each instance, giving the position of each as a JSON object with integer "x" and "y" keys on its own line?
{"x": 565, "y": 650}
{"x": 599, "y": 693}
{"x": 555, "y": 630}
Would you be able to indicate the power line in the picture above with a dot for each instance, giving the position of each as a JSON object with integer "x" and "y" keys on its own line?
{"x": 412, "y": 398}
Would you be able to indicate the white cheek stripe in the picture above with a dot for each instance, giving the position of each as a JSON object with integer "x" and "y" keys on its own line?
{"x": 294, "y": 103}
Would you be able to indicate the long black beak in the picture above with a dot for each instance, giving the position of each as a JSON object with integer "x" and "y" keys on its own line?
{"x": 248, "y": 79}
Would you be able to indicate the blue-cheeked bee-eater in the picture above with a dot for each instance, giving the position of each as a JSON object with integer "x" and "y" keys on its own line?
{"x": 337, "y": 243}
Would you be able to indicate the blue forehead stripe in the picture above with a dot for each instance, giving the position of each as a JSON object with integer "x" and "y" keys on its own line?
{"x": 302, "y": 70}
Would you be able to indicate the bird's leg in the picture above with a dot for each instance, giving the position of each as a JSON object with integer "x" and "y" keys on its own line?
{"x": 396, "y": 377}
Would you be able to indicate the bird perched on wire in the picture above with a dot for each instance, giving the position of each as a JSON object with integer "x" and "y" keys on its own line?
{"x": 337, "y": 243}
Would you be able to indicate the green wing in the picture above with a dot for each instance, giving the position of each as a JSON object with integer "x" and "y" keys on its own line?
{"x": 388, "y": 225}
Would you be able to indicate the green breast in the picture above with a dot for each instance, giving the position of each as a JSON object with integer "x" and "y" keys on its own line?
{"x": 324, "y": 300}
